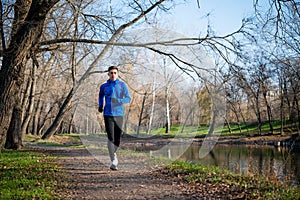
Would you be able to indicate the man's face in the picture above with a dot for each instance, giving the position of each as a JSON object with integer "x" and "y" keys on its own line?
{"x": 113, "y": 74}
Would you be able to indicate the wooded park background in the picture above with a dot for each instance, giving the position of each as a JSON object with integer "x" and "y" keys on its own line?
{"x": 54, "y": 55}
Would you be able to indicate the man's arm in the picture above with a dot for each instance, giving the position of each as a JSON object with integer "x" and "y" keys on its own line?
{"x": 126, "y": 95}
{"x": 100, "y": 99}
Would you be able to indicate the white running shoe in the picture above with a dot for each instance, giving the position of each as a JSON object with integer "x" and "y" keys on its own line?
{"x": 113, "y": 167}
{"x": 114, "y": 163}
{"x": 115, "y": 160}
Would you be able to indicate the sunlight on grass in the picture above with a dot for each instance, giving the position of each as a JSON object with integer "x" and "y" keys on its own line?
{"x": 62, "y": 140}
{"x": 27, "y": 175}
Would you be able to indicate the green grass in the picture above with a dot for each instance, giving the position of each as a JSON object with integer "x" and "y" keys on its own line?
{"x": 26, "y": 174}
{"x": 257, "y": 187}
{"x": 252, "y": 128}
{"x": 247, "y": 129}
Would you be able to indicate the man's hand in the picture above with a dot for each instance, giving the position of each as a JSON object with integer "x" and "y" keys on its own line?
{"x": 114, "y": 100}
{"x": 100, "y": 109}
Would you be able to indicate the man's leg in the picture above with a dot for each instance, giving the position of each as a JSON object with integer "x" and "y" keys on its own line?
{"x": 118, "y": 123}
{"x": 118, "y": 130}
{"x": 109, "y": 126}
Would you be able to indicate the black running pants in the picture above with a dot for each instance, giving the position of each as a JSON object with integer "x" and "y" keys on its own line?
{"x": 113, "y": 127}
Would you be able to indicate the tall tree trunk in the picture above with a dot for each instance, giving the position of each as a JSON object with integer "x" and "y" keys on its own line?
{"x": 125, "y": 127}
{"x": 36, "y": 117}
{"x": 234, "y": 110}
{"x": 269, "y": 111}
{"x": 71, "y": 121}
{"x": 244, "y": 120}
{"x": 152, "y": 107}
{"x": 281, "y": 106}
{"x": 212, "y": 123}
{"x": 25, "y": 94}
{"x": 12, "y": 80}
{"x": 296, "y": 102}
{"x": 298, "y": 108}
{"x": 228, "y": 125}
{"x": 13, "y": 137}
{"x": 286, "y": 95}
{"x": 29, "y": 111}
{"x": 167, "y": 110}
{"x": 14, "y": 133}
{"x": 191, "y": 111}
{"x": 24, "y": 38}
{"x": 42, "y": 82}
{"x": 141, "y": 113}
{"x": 258, "y": 114}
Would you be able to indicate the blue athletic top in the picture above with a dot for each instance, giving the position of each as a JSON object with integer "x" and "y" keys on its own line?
{"x": 113, "y": 89}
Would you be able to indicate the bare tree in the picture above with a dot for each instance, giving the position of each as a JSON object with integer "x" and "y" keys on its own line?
{"x": 86, "y": 74}
{"x": 26, "y": 31}
{"x": 33, "y": 36}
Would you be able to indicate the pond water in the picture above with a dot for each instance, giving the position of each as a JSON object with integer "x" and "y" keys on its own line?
{"x": 267, "y": 161}
{"x": 262, "y": 160}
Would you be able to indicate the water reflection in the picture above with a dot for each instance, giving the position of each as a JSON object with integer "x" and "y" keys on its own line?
{"x": 266, "y": 161}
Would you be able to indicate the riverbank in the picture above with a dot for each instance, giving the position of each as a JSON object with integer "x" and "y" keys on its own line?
{"x": 286, "y": 141}
{"x": 159, "y": 140}
{"x": 292, "y": 140}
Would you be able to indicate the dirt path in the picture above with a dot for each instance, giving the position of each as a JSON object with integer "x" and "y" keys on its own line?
{"x": 91, "y": 179}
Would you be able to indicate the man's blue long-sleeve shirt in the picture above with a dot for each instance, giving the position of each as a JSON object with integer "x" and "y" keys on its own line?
{"x": 113, "y": 89}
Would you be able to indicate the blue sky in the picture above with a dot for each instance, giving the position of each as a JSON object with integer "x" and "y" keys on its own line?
{"x": 225, "y": 16}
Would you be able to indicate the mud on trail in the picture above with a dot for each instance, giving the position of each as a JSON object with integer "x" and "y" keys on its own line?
{"x": 88, "y": 178}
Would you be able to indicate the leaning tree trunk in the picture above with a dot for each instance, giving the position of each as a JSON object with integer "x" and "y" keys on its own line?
{"x": 24, "y": 39}
{"x": 59, "y": 117}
